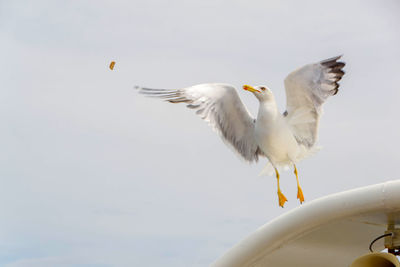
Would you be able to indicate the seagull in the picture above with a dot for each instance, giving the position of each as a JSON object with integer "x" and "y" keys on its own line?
{"x": 283, "y": 139}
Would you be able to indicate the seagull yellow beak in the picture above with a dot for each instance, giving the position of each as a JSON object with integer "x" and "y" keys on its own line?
{"x": 250, "y": 88}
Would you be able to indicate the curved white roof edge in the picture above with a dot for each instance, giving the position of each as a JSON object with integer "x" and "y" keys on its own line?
{"x": 293, "y": 224}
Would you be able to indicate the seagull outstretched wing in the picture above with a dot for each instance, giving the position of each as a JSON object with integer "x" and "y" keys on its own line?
{"x": 219, "y": 105}
{"x": 307, "y": 88}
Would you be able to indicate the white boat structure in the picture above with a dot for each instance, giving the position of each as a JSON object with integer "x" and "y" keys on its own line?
{"x": 336, "y": 230}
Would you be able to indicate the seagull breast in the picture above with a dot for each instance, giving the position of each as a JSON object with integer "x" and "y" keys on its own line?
{"x": 274, "y": 136}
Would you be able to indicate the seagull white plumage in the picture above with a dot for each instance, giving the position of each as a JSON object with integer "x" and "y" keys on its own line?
{"x": 284, "y": 139}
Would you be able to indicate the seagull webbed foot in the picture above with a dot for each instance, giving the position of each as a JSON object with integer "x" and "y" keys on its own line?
{"x": 282, "y": 199}
{"x": 300, "y": 195}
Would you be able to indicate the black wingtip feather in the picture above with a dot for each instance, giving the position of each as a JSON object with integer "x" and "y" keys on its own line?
{"x": 335, "y": 67}
{"x": 333, "y": 62}
{"x": 336, "y": 90}
{"x": 332, "y": 59}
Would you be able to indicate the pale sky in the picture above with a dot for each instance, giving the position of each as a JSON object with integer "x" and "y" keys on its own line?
{"x": 94, "y": 174}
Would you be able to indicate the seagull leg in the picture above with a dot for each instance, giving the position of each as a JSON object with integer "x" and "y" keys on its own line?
{"x": 281, "y": 197}
{"x": 300, "y": 195}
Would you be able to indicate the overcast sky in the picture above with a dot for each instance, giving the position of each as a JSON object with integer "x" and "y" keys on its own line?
{"x": 94, "y": 174}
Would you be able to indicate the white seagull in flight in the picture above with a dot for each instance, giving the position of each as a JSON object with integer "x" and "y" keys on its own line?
{"x": 284, "y": 139}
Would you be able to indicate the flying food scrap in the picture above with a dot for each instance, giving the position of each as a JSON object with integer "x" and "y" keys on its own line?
{"x": 112, "y": 64}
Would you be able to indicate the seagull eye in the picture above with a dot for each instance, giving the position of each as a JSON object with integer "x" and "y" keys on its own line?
{"x": 262, "y": 88}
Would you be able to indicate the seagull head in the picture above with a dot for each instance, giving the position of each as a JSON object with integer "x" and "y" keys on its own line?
{"x": 262, "y": 92}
